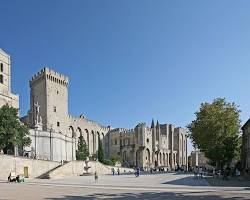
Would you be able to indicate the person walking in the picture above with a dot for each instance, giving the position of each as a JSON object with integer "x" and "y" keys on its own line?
{"x": 113, "y": 171}
{"x": 137, "y": 172}
{"x": 118, "y": 171}
{"x": 96, "y": 177}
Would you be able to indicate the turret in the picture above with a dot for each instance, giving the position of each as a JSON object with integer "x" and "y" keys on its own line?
{"x": 152, "y": 124}
{"x": 153, "y": 135}
{"x": 158, "y": 133}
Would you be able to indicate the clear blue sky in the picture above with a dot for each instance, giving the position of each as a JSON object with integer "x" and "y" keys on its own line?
{"x": 131, "y": 61}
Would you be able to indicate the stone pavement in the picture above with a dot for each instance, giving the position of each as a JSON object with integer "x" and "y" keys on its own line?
{"x": 158, "y": 186}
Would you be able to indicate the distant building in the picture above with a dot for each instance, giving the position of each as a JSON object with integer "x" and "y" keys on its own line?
{"x": 198, "y": 159}
{"x": 161, "y": 146}
{"x": 6, "y": 97}
{"x": 246, "y": 146}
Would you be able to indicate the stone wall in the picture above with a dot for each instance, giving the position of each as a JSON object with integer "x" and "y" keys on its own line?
{"x": 51, "y": 146}
{"x": 16, "y": 164}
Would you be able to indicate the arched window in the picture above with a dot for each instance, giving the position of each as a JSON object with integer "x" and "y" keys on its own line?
{"x": 1, "y": 67}
{"x": 1, "y": 78}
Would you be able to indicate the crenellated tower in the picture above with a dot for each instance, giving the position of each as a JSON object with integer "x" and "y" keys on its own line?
{"x": 6, "y": 97}
{"x": 49, "y": 94}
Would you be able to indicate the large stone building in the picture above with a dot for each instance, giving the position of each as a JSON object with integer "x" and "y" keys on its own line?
{"x": 6, "y": 97}
{"x": 161, "y": 145}
{"x": 246, "y": 146}
{"x": 54, "y": 132}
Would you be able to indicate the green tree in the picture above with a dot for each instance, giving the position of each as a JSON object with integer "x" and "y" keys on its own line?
{"x": 215, "y": 131}
{"x": 100, "y": 151}
{"x": 82, "y": 153}
{"x": 12, "y": 131}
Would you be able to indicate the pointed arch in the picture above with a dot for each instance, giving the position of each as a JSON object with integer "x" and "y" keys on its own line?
{"x": 71, "y": 132}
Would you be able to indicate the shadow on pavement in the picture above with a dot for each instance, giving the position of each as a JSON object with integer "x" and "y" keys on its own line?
{"x": 188, "y": 181}
{"x": 152, "y": 196}
{"x": 227, "y": 183}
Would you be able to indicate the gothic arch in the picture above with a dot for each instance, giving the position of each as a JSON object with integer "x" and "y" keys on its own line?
{"x": 148, "y": 161}
{"x": 78, "y": 131}
{"x": 87, "y": 136}
{"x": 160, "y": 160}
{"x": 71, "y": 132}
{"x": 164, "y": 160}
{"x": 98, "y": 139}
{"x": 93, "y": 141}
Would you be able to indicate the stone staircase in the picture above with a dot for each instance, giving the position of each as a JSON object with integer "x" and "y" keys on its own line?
{"x": 76, "y": 168}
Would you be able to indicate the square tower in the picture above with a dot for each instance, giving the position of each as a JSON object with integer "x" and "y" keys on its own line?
{"x": 49, "y": 100}
{"x": 6, "y": 97}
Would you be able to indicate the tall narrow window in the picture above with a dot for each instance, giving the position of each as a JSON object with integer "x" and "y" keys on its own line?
{"x": 1, "y": 67}
{"x": 1, "y": 78}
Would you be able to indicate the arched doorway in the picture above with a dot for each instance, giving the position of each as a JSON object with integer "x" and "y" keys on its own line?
{"x": 156, "y": 159}
{"x": 160, "y": 159}
{"x": 164, "y": 160}
{"x": 147, "y": 158}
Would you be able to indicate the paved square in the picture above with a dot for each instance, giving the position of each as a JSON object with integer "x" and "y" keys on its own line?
{"x": 157, "y": 186}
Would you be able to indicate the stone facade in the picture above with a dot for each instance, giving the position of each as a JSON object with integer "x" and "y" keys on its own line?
{"x": 160, "y": 146}
{"x": 246, "y": 146}
{"x": 6, "y": 97}
{"x": 48, "y": 116}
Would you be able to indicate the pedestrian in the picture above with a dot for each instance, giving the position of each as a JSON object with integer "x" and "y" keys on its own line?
{"x": 137, "y": 172}
{"x": 113, "y": 171}
{"x": 118, "y": 171}
{"x": 200, "y": 172}
{"x": 196, "y": 172}
{"x": 96, "y": 177}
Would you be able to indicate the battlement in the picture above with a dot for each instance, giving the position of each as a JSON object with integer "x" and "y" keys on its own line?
{"x": 51, "y": 75}
{"x": 73, "y": 118}
{"x": 119, "y": 130}
{"x": 129, "y": 132}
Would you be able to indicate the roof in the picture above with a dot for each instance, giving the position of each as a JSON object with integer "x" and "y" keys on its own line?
{"x": 246, "y": 124}
{"x": 3, "y": 52}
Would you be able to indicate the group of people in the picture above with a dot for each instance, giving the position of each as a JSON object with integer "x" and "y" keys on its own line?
{"x": 198, "y": 172}
{"x": 13, "y": 178}
{"x": 113, "y": 171}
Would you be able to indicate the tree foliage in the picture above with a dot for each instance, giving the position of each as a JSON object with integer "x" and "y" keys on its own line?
{"x": 112, "y": 160}
{"x": 12, "y": 131}
{"x": 82, "y": 153}
{"x": 215, "y": 131}
{"x": 100, "y": 151}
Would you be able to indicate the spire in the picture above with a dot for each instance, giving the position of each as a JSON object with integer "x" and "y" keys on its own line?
{"x": 157, "y": 124}
{"x": 152, "y": 123}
